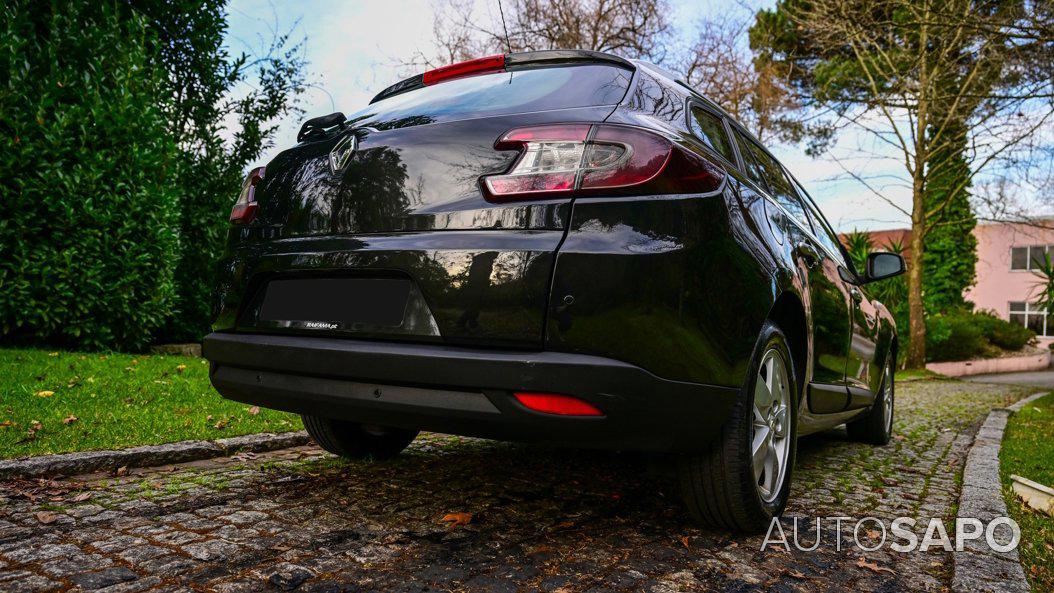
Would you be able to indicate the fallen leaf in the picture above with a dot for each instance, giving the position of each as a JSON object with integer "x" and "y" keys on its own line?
{"x": 221, "y": 424}
{"x": 862, "y": 563}
{"x": 456, "y": 519}
{"x": 121, "y": 471}
{"x": 180, "y": 368}
{"x": 53, "y": 353}
{"x": 45, "y": 393}
{"x": 69, "y": 419}
{"x": 34, "y": 426}
{"x": 6, "y": 423}
{"x": 684, "y": 542}
{"x": 83, "y": 496}
{"x": 47, "y": 518}
{"x": 254, "y": 410}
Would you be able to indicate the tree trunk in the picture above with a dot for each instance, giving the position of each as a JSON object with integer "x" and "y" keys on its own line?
{"x": 916, "y": 311}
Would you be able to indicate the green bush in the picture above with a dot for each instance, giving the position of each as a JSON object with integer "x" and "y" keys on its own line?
{"x": 953, "y": 337}
{"x": 1002, "y": 333}
{"x": 961, "y": 335}
{"x": 88, "y": 214}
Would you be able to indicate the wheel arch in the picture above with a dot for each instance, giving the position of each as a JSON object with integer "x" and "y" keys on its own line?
{"x": 788, "y": 312}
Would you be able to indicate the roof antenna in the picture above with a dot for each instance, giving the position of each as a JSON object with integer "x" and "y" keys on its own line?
{"x": 504, "y": 28}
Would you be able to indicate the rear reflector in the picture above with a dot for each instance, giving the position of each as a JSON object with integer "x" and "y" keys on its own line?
{"x": 552, "y": 403}
{"x": 495, "y": 63}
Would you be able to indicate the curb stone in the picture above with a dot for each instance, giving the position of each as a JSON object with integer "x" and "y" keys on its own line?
{"x": 70, "y": 464}
{"x": 1018, "y": 405}
{"x": 977, "y": 568}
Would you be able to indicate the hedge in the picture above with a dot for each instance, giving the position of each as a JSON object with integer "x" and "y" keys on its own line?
{"x": 88, "y": 217}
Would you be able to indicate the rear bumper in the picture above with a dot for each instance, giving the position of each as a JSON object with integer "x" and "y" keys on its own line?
{"x": 466, "y": 391}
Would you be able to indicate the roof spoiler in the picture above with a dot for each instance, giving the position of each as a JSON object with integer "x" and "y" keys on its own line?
{"x": 511, "y": 61}
{"x": 318, "y": 127}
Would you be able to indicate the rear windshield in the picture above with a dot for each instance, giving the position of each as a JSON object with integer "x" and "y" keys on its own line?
{"x": 537, "y": 89}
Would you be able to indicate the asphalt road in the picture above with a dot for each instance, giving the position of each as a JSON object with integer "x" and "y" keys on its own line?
{"x": 1031, "y": 378}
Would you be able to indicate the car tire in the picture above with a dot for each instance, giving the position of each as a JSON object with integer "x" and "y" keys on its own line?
{"x": 357, "y": 441}
{"x": 876, "y": 427}
{"x": 720, "y": 485}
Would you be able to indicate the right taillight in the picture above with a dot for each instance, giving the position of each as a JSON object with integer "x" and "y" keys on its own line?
{"x": 245, "y": 208}
{"x": 584, "y": 159}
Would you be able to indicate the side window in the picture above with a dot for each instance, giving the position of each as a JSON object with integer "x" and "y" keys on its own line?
{"x": 753, "y": 171}
{"x": 779, "y": 185}
{"x": 709, "y": 129}
{"x": 824, "y": 233}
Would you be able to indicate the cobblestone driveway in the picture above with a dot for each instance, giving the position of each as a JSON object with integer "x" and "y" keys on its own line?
{"x": 541, "y": 519}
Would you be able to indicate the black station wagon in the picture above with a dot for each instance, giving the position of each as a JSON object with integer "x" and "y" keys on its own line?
{"x": 555, "y": 246}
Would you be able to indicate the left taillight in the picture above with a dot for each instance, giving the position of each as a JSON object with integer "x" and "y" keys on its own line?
{"x": 245, "y": 208}
{"x": 587, "y": 159}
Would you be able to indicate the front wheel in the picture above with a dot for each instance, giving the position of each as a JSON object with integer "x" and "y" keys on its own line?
{"x": 742, "y": 480}
{"x": 876, "y": 427}
{"x": 357, "y": 441}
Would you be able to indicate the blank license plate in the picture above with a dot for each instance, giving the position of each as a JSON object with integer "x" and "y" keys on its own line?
{"x": 344, "y": 301}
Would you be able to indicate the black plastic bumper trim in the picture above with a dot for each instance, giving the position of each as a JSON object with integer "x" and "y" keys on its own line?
{"x": 431, "y": 387}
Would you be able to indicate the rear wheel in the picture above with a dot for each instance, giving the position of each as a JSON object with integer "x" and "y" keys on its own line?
{"x": 876, "y": 427}
{"x": 743, "y": 478}
{"x": 357, "y": 441}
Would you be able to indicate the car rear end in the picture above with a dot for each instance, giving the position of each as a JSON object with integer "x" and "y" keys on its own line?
{"x": 398, "y": 268}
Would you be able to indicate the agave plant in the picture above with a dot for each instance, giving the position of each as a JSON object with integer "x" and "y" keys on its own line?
{"x": 1042, "y": 295}
{"x": 858, "y": 245}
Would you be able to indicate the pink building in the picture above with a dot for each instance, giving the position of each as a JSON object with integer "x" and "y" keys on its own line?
{"x": 1007, "y": 254}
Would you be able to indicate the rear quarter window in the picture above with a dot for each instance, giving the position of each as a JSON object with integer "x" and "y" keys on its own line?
{"x": 710, "y": 130}
{"x": 500, "y": 93}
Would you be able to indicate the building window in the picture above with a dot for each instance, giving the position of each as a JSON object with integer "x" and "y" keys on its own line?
{"x": 1033, "y": 317}
{"x": 1031, "y": 257}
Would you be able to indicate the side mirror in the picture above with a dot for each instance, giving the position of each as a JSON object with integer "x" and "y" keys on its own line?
{"x": 882, "y": 265}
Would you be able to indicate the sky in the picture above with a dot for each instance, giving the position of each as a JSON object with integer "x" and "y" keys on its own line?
{"x": 353, "y": 50}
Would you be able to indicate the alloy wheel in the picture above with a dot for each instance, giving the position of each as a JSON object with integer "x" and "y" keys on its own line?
{"x": 770, "y": 438}
{"x": 887, "y": 398}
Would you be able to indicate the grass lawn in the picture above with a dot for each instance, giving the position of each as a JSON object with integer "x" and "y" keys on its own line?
{"x": 1028, "y": 451}
{"x": 916, "y": 375}
{"x": 56, "y": 402}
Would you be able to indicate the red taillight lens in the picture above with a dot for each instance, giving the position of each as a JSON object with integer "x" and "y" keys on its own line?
{"x": 245, "y": 208}
{"x": 553, "y": 403}
{"x": 584, "y": 159}
{"x": 495, "y": 63}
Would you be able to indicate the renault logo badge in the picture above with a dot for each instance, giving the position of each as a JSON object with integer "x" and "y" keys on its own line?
{"x": 341, "y": 153}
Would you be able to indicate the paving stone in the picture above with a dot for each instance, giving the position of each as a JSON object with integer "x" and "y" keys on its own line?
{"x": 211, "y": 550}
{"x": 103, "y": 578}
{"x": 288, "y": 576}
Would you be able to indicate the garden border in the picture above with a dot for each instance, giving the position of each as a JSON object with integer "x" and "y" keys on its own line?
{"x": 69, "y": 464}
{"x": 977, "y": 568}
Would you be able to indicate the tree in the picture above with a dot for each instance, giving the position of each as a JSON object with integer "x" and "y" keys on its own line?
{"x": 223, "y": 111}
{"x": 629, "y": 28}
{"x": 88, "y": 207}
{"x": 719, "y": 65}
{"x": 950, "y": 259}
{"x": 912, "y": 73}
